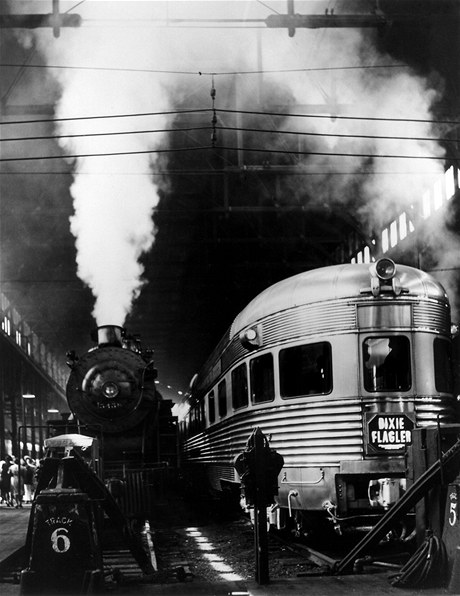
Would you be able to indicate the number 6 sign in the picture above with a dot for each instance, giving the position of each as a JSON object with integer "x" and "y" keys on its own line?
{"x": 60, "y": 541}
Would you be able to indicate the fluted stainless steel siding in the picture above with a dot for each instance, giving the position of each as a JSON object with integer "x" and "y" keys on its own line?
{"x": 433, "y": 315}
{"x": 305, "y": 434}
{"x": 309, "y": 320}
{"x": 322, "y": 318}
{"x": 431, "y": 411}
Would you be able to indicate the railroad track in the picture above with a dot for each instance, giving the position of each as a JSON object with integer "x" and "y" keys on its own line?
{"x": 320, "y": 559}
{"x": 386, "y": 555}
{"x": 181, "y": 554}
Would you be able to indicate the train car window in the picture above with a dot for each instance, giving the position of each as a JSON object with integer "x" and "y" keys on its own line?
{"x": 261, "y": 377}
{"x": 222, "y": 398}
{"x": 442, "y": 353}
{"x": 211, "y": 408}
{"x": 240, "y": 386}
{"x": 306, "y": 370}
{"x": 198, "y": 420}
{"x": 202, "y": 415}
{"x": 387, "y": 363}
{"x": 191, "y": 422}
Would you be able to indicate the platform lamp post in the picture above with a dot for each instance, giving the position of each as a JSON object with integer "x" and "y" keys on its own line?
{"x": 28, "y": 396}
{"x": 23, "y": 428}
{"x": 52, "y": 410}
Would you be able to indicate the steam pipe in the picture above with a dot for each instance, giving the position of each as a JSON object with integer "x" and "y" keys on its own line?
{"x": 109, "y": 335}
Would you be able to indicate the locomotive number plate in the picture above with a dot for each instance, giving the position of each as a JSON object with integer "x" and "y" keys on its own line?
{"x": 388, "y": 432}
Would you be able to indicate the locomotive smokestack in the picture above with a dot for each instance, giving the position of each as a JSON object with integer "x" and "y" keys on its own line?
{"x": 109, "y": 335}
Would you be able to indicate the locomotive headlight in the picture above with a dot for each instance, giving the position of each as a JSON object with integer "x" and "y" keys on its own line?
{"x": 110, "y": 390}
{"x": 385, "y": 269}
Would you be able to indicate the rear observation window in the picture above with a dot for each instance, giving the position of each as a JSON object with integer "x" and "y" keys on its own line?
{"x": 386, "y": 363}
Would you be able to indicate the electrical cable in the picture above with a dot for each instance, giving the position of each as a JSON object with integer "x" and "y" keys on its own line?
{"x": 108, "y": 134}
{"x": 107, "y": 116}
{"x": 238, "y": 170}
{"x": 226, "y": 148}
{"x": 426, "y": 567}
{"x": 229, "y": 128}
{"x": 337, "y": 117}
{"x": 201, "y": 72}
{"x": 228, "y": 111}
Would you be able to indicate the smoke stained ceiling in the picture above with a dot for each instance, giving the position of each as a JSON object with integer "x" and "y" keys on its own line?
{"x": 241, "y": 191}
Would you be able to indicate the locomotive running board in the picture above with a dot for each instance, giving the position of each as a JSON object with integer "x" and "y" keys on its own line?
{"x": 444, "y": 467}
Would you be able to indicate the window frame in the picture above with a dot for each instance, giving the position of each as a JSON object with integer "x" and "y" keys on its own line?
{"x": 258, "y": 358}
{"x": 211, "y": 407}
{"x": 234, "y": 380}
{"x": 365, "y": 377}
{"x": 437, "y": 373}
{"x": 329, "y": 379}
{"x": 222, "y": 398}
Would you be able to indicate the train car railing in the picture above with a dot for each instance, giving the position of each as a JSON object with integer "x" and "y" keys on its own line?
{"x": 139, "y": 490}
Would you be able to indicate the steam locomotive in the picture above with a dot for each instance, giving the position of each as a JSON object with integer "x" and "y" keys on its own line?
{"x": 111, "y": 391}
{"x": 336, "y": 366}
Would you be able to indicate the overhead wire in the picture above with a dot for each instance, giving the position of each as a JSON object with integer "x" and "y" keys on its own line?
{"x": 292, "y": 152}
{"x": 228, "y": 128}
{"x": 338, "y": 117}
{"x": 19, "y": 75}
{"x": 302, "y": 171}
{"x": 229, "y": 111}
{"x": 74, "y": 6}
{"x": 201, "y": 72}
{"x": 106, "y": 116}
{"x": 214, "y": 111}
{"x": 273, "y": 10}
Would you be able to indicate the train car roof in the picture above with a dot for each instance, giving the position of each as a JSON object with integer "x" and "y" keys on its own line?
{"x": 329, "y": 283}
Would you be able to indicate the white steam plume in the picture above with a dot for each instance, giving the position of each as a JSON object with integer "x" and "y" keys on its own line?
{"x": 114, "y": 196}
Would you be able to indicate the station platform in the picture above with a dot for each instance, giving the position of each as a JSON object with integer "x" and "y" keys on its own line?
{"x": 13, "y": 531}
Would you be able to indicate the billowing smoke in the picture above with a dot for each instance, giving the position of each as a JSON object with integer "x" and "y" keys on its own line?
{"x": 385, "y": 95}
{"x": 114, "y": 197}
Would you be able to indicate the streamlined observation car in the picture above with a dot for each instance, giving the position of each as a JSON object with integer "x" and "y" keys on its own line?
{"x": 336, "y": 366}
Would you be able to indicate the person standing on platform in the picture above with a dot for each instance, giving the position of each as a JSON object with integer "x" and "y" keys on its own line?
{"x": 18, "y": 470}
{"x": 5, "y": 481}
{"x": 29, "y": 478}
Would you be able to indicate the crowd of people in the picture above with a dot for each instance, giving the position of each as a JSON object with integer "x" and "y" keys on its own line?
{"x": 17, "y": 480}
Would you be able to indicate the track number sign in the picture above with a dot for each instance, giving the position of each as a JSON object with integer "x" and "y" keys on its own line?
{"x": 60, "y": 541}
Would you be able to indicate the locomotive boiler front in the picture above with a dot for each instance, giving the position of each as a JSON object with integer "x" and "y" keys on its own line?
{"x": 112, "y": 386}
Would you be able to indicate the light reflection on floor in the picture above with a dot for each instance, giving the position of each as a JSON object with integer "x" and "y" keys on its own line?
{"x": 214, "y": 560}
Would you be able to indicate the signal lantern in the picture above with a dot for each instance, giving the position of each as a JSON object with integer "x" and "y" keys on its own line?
{"x": 258, "y": 467}
{"x": 385, "y": 269}
{"x": 383, "y": 277}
